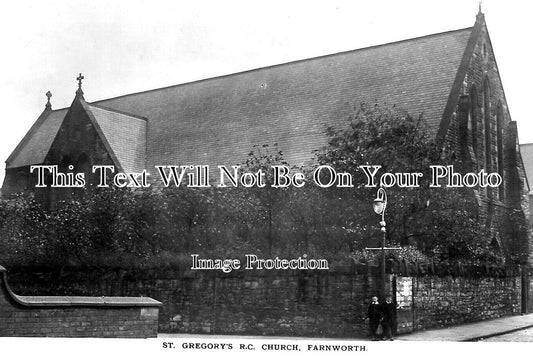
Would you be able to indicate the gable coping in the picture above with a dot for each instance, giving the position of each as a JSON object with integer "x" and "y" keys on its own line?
{"x": 453, "y": 97}
{"x": 40, "y": 120}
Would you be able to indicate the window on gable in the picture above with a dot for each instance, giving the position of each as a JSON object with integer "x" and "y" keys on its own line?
{"x": 83, "y": 164}
{"x": 23, "y": 181}
{"x": 487, "y": 129}
{"x": 66, "y": 161}
{"x": 472, "y": 120}
{"x": 499, "y": 144}
{"x": 462, "y": 118}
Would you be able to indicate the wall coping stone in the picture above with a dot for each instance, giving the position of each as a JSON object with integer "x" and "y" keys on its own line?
{"x": 76, "y": 301}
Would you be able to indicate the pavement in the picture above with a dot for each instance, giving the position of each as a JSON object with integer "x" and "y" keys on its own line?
{"x": 466, "y": 332}
{"x": 473, "y": 331}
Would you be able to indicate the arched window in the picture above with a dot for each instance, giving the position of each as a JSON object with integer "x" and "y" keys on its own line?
{"x": 23, "y": 181}
{"x": 83, "y": 164}
{"x": 499, "y": 143}
{"x": 66, "y": 161}
{"x": 462, "y": 127}
{"x": 487, "y": 129}
{"x": 472, "y": 119}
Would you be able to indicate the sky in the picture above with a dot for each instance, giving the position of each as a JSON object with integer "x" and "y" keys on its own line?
{"x": 124, "y": 47}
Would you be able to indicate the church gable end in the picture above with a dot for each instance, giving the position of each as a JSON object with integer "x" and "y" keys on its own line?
{"x": 78, "y": 145}
{"x": 484, "y": 136}
{"x": 481, "y": 110}
{"x": 81, "y": 136}
{"x": 79, "y": 142}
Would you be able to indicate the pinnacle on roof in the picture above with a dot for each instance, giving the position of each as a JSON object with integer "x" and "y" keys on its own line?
{"x": 480, "y": 15}
{"x": 48, "y": 105}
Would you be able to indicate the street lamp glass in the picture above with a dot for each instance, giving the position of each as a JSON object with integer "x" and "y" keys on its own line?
{"x": 379, "y": 205}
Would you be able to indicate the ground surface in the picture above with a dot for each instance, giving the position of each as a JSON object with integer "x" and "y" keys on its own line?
{"x": 517, "y": 336}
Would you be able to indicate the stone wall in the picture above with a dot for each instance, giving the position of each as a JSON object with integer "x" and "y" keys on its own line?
{"x": 456, "y": 300}
{"x": 241, "y": 302}
{"x": 528, "y": 280}
{"x": 22, "y": 316}
{"x": 427, "y": 302}
{"x": 324, "y": 304}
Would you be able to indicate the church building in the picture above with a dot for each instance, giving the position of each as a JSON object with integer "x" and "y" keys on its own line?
{"x": 451, "y": 78}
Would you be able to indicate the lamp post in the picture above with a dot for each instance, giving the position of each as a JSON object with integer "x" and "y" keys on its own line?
{"x": 380, "y": 205}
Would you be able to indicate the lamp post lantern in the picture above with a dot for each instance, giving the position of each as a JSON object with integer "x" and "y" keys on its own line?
{"x": 380, "y": 205}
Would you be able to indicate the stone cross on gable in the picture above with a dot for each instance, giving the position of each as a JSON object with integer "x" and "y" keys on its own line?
{"x": 79, "y": 79}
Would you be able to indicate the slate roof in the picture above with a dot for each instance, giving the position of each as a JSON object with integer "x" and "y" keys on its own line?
{"x": 217, "y": 121}
{"x": 126, "y": 135}
{"x": 35, "y": 145}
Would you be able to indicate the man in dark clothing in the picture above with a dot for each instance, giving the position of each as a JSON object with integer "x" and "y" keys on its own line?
{"x": 389, "y": 318}
{"x": 374, "y": 316}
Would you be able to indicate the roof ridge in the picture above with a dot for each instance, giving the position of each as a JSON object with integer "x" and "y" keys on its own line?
{"x": 283, "y": 64}
{"x": 118, "y": 111}
{"x": 166, "y": 112}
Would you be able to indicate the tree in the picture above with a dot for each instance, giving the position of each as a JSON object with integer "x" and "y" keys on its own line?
{"x": 268, "y": 201}
{"x": 132, "y": 227}
{"x": 441, "y": 222}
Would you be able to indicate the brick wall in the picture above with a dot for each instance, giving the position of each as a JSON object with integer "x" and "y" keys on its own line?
{"x": 331, "y": 304}
{"x": 22, "y": 316}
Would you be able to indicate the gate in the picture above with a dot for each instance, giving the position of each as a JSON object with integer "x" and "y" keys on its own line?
{"x": 405, "y": 312}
